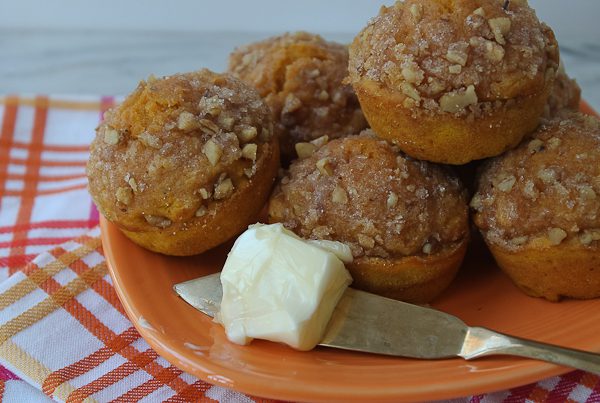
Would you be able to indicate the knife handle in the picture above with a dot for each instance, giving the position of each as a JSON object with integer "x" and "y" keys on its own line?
{"x": 480, "y": 342}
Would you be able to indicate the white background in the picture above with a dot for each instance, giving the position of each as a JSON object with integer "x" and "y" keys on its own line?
{"x": 572, "y": 19}
{"x": 107, "y": 46}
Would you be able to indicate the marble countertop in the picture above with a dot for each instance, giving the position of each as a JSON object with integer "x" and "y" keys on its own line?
{"x": 112, "y": 62}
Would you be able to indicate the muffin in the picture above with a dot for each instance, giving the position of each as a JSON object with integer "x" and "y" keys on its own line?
{"x": 300, "y": 76}
{"x": 538, "y": 208}
{"x": 405, "y": 221}
{"x": 454, "y": 81}
{"x": 565, "y": 96}
{"x": 185, "y": 162}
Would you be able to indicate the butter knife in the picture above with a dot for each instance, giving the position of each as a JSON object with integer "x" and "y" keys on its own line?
{"x": 369, "y": 323}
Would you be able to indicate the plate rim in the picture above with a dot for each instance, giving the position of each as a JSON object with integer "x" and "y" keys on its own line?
{"x": 203, "y": 369}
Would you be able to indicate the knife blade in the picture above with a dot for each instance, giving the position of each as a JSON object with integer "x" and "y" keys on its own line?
{"x": 373, "y": 324}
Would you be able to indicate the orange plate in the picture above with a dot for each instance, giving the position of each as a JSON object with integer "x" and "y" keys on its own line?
{"x": 481, "y": 296}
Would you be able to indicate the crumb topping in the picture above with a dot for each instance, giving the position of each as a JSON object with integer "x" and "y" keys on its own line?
{"x": 300, "y": 76}
{"x": 176, "y": 146}
{"x": 362, "y": 191}
{"x": 460, "y": 57}
{"x": 547, "y": 191}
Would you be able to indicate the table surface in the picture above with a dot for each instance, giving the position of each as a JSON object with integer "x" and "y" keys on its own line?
{"x": 112, "y": 62}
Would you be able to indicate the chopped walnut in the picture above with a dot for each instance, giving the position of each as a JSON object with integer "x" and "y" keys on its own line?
{"x": 480, "y": 12}
{"x": 392, "y": 200}
{"x": 323, "y": 95}
{"x": 187, "y": 122}
{"x": 213, "y": 105}
{"x": 410, "y": 91}
{"x": 494, "y": 52}
{"x": 247, "y": 134}
{"x": 208, "y": 126}
{"x": 427, "y": 248}
{"x": 547, "y": 175}
{"x": 124, "y": 195}
{"x": 586, "y": 238}
{"x": 224, "y": 189}
{"x": 324, "y": 166}
{"x": 249, "y": 151}
{"x": 305, "y": 150}
{"x": 500, "y": 27}
{"x": 476, "y": 203}
{"x": 131, "y": 181}
{"x": 457, "y": 53}
{"x": 150, "y": 140}
{"x": 455, "y": 69}
{"x": 292, "y": 104}
{"x": 205, "y": 194}
{"x": 111, "y": 137}
{"x": 519, "y": 241}
{"x": 556, "y": 235}
{"x": 226, "y": 122}
{"x": 320, "y": 142}
{"x": 530, "y": 191}
{"x": 454, "y": 102}
{"x": 157, "y": 221}
{"x": 339, "y": 195}
{"x": 213, "y": 151}
{"x": 366, "y": 241}
{"x": 507, "y": 183}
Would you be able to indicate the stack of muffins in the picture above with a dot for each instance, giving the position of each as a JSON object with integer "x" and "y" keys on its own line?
{"x": 188, "y": 161}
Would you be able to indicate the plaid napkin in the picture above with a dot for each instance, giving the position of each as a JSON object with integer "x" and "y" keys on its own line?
{"x": 63, "y": 332}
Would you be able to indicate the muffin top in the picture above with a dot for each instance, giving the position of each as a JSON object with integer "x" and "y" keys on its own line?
{"x": 300, "y": 76}
{"x": 466, "y": 57}
{"x": 361, "y": 191}
{"x": 176, "y": 147}
{"x": 545, "y": 192}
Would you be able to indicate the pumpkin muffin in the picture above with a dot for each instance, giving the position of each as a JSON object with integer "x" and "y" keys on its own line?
{"x": 185, "y": 163}
{"x": 538, "y": 208}
{"x": 454, "y": 81}
{"x": 300, "y": 76}
{"x": 406, "y": 221}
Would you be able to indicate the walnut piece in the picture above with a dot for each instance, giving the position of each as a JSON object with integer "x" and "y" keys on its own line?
{"x": 247, "y": 134}
{"x": 392, "y": 200}
{"x": 249, "y": 151}
{"x": 201, "y": 211}
{"x": 157, "y": 221}
{"x": 187, "y": 121}
{"x": 208, "y": 126}
{"x": 500, "y": 27}
{"x": 366, "y": 241}
{"x": 150, "y": 140}
{"x": 556, "y": 235}
{"x": 339, "y": 195}
{"x": 213, "y": 151}
{"x": 305, "y": 150}
{"x": 124, "y": 195}
{"x": 224, "y": 189}
{"x": 324, "y": 166}
{"x": 111, "y": 137}
{"x": 456, "y": 101}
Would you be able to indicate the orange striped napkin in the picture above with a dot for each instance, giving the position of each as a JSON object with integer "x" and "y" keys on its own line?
{"x": 63, "y": 332}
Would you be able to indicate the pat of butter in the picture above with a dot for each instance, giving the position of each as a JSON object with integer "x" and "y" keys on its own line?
{"x": 279, "y": 287}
